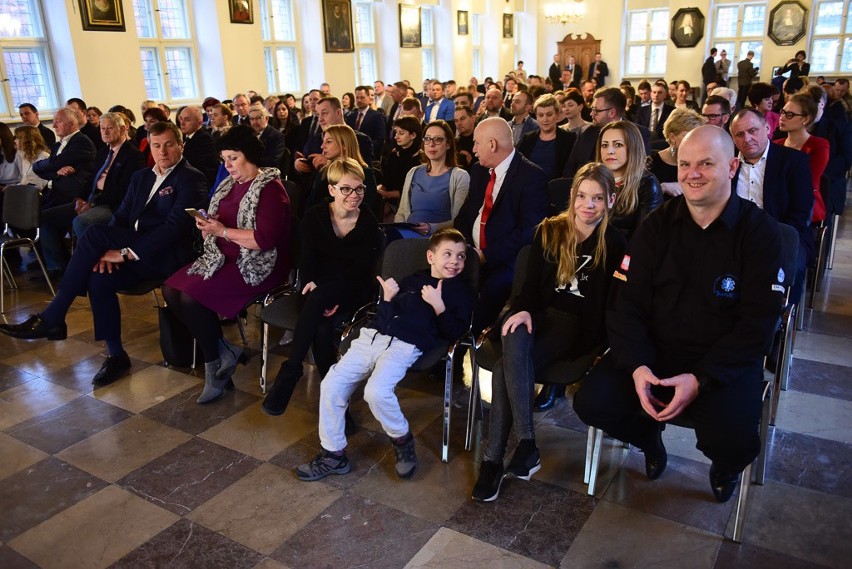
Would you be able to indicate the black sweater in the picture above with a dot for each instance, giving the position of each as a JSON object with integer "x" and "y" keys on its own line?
{"x": 585, "y": 297}
{"x": 411, "y": 319}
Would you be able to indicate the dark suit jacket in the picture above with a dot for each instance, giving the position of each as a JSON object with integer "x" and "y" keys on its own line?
{"x": 128, "y": 160}
{"x": 555, "y": 74}
{"x": 94, "y": 134}
{"x": 373, "y": 125}
{"x": 79, "y": 153}
{"x": 643, "y": 118}
{"x": 200, "y": 151}
{"x": 576, "y": 76}
{"x": 274, "y": 145}
{"x": 48, "y": 135}
{"x": 745, "y": 74}
{"x": 584, "y": 149}
{"x": 505, "y": 114}
{"x": 564, "y": 144}
{"x": 165, "y": 231}
{"x": 788, "y": 194}
{"x": 521, "y": 204}
{"x": 602, "y": 75}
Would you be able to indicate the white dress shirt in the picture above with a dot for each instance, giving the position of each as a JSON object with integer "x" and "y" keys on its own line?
{"x": 500, "y": 175}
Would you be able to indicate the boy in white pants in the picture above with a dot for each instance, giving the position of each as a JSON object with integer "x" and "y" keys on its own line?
{"x": 425, "y": 310}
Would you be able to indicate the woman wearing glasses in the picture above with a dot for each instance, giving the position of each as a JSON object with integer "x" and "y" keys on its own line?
{"x": 433, "y": 193}
{"x": 340, "y": 245}
{"x": 797, "y": 116}
{"x": 246, "y": 234}
{"x": 338, "y": 141}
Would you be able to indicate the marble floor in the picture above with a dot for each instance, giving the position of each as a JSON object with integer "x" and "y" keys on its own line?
{"x": 137, "y": 475}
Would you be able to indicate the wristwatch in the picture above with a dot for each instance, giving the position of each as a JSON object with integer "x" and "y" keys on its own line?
{"x": 125, "y": 254}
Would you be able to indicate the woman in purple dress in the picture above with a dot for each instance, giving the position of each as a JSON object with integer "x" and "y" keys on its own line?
{"x": 246, "y": 254}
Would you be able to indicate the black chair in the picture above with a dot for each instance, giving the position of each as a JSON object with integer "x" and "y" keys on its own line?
{"x": 821, "y": 244}
{"x": 402, "y": 258}
{"x": 559, "y": 191}
{"x": 21, "y": 212}
{"x": 284, "y": 164}
{"x": 771, "y": 391}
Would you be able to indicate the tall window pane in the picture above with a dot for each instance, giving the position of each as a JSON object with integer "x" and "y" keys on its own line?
{"x": 151, "y": 73}
{"x": 824, "y": 55}
{"x": 647, "y": 41}
{"x": 726, "y": 21}
{"x": 19, "y": 19}
{"x": 281, "y": 45}
{"x": 638, "y": 26}
{"x": 167, "y": 51}
{"x": 173, "y": 19}
{"x": 282, "y": 20}
{"x": 28, "y": 77}
{"x": 25, "y": 68}
{"x": 828, "y": 18}
{"x": 753, "y": 18}
{"x": 142, "y": 12}
{"x": 288, "y": 69}
{"x": 181, "y": 75}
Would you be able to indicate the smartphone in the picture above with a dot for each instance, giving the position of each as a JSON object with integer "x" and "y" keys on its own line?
{"x": 199, "y": 213}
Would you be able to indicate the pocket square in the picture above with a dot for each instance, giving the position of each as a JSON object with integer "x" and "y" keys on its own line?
{"x": 165, "y": 191}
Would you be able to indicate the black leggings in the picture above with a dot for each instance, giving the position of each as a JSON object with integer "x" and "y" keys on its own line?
{"x": 202, "y": 322}
{"x": 315, "y": 330}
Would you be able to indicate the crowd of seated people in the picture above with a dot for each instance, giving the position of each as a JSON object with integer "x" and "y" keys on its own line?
{"x": 467, "y": 165}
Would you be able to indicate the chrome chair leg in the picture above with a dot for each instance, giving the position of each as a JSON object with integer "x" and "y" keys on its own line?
{"x": 739, "y": 513}
{"x": 264, "y": 355}
{"x": 834, "y": 222}
{"x": 594, "y": 465}
{"x": 474, "y": 403}
{"x": 448, "y": 406}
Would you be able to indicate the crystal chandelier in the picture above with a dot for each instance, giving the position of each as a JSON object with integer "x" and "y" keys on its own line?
{"x": 564, "y": 12}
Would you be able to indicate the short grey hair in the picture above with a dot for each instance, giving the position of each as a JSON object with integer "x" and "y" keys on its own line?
{"x": 258, "y": 108}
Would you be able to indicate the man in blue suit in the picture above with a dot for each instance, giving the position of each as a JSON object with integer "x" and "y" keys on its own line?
{"x": 507, "y": 199}
{"x": 777, "y": 179}
{"x": 440, "y": 108}
{"x": 368, "y": 120}
{"x": 149, "y": 237}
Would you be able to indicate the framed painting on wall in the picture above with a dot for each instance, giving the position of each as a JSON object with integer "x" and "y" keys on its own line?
{"x": 508, "y": 26}
{"x": 409, "y": 26}
{"x": 461, "y": 18}
{"x": 787, "y": 22}
{"x": 687, "y": 27}
{"x": 337, "y": 17}
{"x": 102, "y": 15}
{"x": 242, "y": 11}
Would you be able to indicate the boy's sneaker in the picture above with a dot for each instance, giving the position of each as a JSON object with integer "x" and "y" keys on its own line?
{"x": 406, "y": 458}
{"x": 526, "y": 461}
{"x": 488, "y": 485}
{"x": 324, "y": 464}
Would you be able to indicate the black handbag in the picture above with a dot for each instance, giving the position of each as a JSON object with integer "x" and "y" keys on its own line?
{"x": 176, "y": 342}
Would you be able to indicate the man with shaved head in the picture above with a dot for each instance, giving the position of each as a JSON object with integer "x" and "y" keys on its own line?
{"x": 695, "y": 304}
{"x": 507, "y": 199}
{"x": 198, "y": 146}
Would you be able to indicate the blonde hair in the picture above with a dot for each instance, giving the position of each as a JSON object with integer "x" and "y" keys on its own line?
{"x": 30, "y": 142}
{"x": 627, "y": 200}
{"x": 682, "y": 120}
{"x": 560, "y": 239}
{"x": 336, "y": 169}
{"x": 344, "y": 137}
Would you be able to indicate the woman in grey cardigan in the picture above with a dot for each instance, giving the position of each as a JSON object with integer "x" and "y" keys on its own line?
{"x": 434, "y": 192}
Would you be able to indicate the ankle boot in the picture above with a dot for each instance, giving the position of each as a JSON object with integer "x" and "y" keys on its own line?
{"x": 214, "y": 387}
{"x": 230, "y": 355}
{"x": 546, "y": 398}
{"x": 276, "y": 401}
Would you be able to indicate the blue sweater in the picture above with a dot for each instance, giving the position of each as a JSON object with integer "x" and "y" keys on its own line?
{"x": 411, "y": 319}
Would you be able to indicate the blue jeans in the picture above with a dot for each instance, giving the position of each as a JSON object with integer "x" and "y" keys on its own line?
{"x": 513, "y": 376}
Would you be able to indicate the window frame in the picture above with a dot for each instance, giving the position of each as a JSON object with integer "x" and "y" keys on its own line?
{"x": 163, "y": 47}
{"x": 476, "y": 44}
{"x": 648, "y": 43}
{"x": 365, "y": 48}
{"x": 427, "y": 14}
{"x": 272, "y": 45}
{"x": 843, "y": 36}
{"x": 738, "y": 52}
{"x": 39, "y": 45}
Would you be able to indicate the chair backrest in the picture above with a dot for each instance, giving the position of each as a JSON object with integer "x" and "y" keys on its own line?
{"x": 21, "y": 207}
{"x": 406, "y": 256}
{"x": 825, "y": 189}
{"x": 559, "y": 192}
{"x": 284, "y": 163}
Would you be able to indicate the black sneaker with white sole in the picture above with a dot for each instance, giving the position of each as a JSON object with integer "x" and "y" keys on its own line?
{"x": 487, "y": 487}
{"x": 526, "y": 461}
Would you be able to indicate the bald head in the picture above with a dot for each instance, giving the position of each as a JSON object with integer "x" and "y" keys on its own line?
{"x": 190, "y": 120}
{"x": 706, "y": 164}
{"x": 492, "y": 141}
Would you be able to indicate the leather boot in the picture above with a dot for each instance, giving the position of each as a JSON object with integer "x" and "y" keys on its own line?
{"x": 214, "y": 386}
{"x": 230, "y": 355}
{"x": 547, "y": 397}
{"x": 276, "y": 401}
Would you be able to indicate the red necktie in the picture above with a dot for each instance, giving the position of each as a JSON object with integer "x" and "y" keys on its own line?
{"x": 486, "y": 208}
